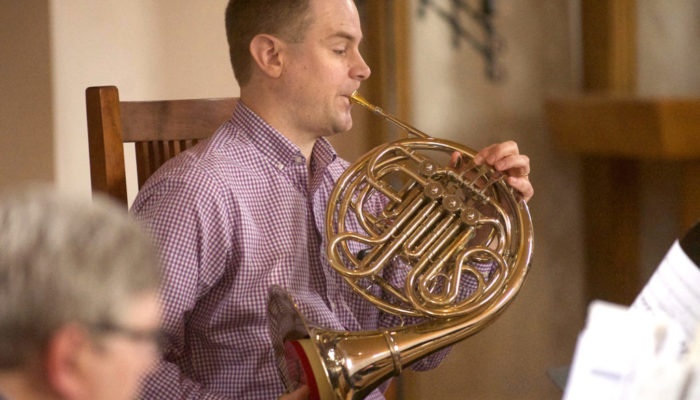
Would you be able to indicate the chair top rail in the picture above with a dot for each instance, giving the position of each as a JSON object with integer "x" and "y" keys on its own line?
{"x": 173, "y": 119}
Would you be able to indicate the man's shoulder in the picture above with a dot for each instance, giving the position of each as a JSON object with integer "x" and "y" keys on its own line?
{"x": 206, "y": 169}
{"x": 225, "y": 152}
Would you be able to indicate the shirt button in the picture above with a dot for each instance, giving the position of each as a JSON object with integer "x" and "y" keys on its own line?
{"x": 299, "y": 159}
{"x": 280, "y": 166}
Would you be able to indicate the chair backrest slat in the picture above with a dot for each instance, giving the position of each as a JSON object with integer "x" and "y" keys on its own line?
{"x": 160, "y": 130}
{"x": 142, "y": 162}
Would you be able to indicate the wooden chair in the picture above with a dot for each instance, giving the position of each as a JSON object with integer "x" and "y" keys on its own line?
{"x": 159, "y": 129}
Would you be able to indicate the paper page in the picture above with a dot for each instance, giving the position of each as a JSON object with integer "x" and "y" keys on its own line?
{"x": 613, "y": 346}
{"x": 674, "y": 291}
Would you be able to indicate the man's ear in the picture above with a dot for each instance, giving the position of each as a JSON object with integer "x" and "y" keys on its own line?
{"x": 265, "y": 50}
{"x": 64, "y": 359}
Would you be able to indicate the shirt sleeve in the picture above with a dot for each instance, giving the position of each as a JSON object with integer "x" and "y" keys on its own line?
{"x": 188, "y": 222}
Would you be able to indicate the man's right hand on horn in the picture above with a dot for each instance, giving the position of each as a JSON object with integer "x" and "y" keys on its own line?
{"x": 506, "y": 158}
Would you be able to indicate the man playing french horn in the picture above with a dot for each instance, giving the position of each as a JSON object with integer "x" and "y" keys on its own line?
{"x": 245, "y": 210}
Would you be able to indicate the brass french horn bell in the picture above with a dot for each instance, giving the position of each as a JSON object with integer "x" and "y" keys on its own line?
{"x": 459, "y": 236}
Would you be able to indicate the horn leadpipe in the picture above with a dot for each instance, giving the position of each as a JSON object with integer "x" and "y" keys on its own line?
{"x": 356, "y": 98}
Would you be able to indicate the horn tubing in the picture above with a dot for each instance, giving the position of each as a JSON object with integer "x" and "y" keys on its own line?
{"x": 429, "y": 225}
{"x": 357, "y": 99}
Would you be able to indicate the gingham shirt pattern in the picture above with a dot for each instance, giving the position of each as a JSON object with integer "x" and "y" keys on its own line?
{"x": 232, "y": 216}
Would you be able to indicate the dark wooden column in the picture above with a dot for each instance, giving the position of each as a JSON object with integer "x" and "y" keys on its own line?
{"x": 609, "y": 31}
{"x": 611, "y": 201}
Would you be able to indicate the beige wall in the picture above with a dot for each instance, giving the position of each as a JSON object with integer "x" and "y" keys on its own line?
{"x": 26, "y": 132}
{"x": 668, "y": 48}
{"x": 454, "y": 100}
{"x": 149, "y": 49}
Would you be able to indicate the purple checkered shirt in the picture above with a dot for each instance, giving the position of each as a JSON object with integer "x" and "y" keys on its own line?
{"x": 232, "y": 216}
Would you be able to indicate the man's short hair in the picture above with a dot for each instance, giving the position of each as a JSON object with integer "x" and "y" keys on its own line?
{"x": 63, "y": 261}
{"x": 286, "y": 19}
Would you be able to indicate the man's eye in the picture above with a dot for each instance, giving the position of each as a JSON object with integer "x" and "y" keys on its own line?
{"x": 339, "y": 52}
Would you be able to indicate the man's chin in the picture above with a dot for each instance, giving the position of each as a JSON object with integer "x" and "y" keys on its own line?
{"x": 343, "y": 126}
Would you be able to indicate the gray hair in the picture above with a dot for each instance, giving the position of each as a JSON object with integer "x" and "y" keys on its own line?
{"x": 63, "y": 260}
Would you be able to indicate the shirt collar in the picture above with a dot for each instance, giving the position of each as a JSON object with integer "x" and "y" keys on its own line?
{"x": 323, "y": 153}
{"x": 274, "y": 145}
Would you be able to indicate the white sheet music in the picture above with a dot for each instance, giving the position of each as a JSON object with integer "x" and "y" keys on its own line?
{"x": 674, "y": 291}
{"x": 648, "y": 351}
{"x": 615, "y": 347}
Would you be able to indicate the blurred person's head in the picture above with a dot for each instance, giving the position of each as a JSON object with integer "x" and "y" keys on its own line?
{"x": 78, "y": 298}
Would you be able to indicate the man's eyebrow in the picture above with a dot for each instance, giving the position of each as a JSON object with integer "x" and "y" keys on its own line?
{"x": 345, "y": 35}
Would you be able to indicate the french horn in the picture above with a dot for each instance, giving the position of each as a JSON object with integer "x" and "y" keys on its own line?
{"x": 439, "y": 225}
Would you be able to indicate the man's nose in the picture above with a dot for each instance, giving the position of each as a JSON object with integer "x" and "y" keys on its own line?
{"x": 360, "y": 70}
